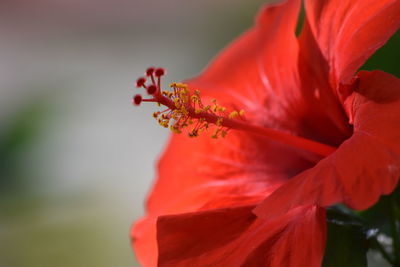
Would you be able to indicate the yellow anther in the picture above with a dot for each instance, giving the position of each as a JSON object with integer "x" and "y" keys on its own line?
{"x": 188, "y": 111}
{"x": 163, "y": 122}
{"x": 233, "y": 114}
{"x": 215, "y": 134}
{"x": 183, "y": 92}
{"x": 181, "y": 85}
{"x": 177, "y": 103}
{"x": 175, "y": 129}
{"x": 223, "y": 133}
{"x": 183, "y": 110}
{"x": 194, "y": 133}
{"x": 185, "y": 99}
{"x": 167, "y": 93}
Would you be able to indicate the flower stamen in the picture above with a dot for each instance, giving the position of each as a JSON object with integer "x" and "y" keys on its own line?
{"x": 186, "y": 111}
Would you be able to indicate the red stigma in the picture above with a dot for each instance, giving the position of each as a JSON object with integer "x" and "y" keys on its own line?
{"x": 159, "y": 72}
{"x": 151, "y": 89}
{"x": 137, "y": 99}
{"x": 149, "y": 71}
{"x": 140, "y": 82}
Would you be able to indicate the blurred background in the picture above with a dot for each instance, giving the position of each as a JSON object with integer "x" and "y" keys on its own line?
{"x": 76, "y": 159}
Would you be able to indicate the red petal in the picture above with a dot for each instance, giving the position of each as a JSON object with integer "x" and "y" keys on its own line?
{"x": 204, "y": 173}
{"x": 348, "y": 32}
{"x": 258, "y": 71}
{"x": 364, "y": 167}
{"x": 235, "y": 237}
{"x": 324, "y": 109}
{"x": 235, "y": 173}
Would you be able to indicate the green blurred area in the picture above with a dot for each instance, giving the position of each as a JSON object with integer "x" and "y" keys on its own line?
{"x": 20, "y": 132}
{"x": 37, "y": 229}
{"x": 387, "y": 58}
{"x": 40, "y": 232}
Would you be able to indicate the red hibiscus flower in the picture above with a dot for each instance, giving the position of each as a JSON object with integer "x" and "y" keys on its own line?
{"x": 313, "y": 135}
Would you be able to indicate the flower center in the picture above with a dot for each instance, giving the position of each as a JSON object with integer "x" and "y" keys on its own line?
{"x": 185, "y": 110}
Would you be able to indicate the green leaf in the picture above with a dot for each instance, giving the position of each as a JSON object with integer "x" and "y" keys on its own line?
{"x": 387, "y": 57}
{"x": 347, "y": 243}
{"x": 379, "y": 215}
